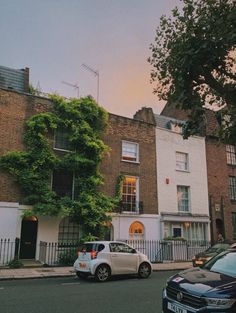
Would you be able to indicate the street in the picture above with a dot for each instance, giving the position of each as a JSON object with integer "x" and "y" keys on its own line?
{"x": 71, "y": 295}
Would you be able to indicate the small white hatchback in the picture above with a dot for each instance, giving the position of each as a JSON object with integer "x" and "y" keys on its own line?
{"x": 103, "y": 259}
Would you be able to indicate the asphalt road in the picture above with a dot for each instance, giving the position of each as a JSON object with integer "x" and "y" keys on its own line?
{"x": 72, "y": 295}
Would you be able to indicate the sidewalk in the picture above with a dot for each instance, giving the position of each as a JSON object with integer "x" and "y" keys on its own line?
{"x": 42, "y": 272}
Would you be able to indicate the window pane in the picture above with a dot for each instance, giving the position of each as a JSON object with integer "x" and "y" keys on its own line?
{"x": 62, "y": 140}
{"x": 231, "y": 154}
{"x": 181, "y": 161}
{"x": 62, "y": 183}
{"x": 183, "y": 198}
{"x": 129, "y": 151}
{"x": 232, "y": 187}
{"x": 68, "y": 231}
{"x": 129, "y": 198}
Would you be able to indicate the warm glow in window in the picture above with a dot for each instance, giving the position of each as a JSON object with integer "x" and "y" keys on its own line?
{"x": 136, "y": 230}
{"x": 129, "y": 193}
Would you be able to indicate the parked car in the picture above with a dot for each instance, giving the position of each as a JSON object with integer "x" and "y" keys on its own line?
{"x": 207, "y": 289}
{"x": 102, "y": 259}
{"x": 202, "y": 257}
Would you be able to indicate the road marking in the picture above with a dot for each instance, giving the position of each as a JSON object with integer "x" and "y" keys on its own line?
{"x": 1, "y": 288}
{"x": 64, "y": 284}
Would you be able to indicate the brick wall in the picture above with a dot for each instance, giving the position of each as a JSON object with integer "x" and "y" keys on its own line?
{"x": 121, "y": 128}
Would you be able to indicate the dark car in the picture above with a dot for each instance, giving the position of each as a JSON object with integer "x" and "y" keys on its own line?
{"x": 209, "y": 289}
{"x": 202, "y": 257}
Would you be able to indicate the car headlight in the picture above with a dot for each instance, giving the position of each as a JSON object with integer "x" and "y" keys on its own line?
{"x": 222, "y": 303}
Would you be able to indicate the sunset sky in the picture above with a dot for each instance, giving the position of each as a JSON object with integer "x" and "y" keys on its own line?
{"x": 55, "y": 37}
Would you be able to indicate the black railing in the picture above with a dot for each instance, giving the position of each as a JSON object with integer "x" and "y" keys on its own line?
{"x": 9, "y": 250}
{"x": 130, "y": 208}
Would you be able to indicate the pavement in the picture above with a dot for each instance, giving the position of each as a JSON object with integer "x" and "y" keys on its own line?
{"x": 47, "y": 272}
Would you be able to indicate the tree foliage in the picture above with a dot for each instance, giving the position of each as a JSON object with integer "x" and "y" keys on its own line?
{"x": 32, "y": 169}
{"x": 193, "y": 62}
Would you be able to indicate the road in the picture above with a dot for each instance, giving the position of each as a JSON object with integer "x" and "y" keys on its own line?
{"x": 72, "y": 295}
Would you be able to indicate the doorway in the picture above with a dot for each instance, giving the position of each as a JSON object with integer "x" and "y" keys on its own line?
{"x": 29, "y": 229}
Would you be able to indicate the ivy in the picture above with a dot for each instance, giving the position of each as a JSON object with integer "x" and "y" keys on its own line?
{"x": 32, "y": 169}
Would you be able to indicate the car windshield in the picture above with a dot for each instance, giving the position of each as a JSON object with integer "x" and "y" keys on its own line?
{"x": 217, "y": 248}
{"x": 223, "y": 263}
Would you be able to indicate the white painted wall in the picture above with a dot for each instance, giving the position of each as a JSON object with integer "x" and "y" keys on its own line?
{"x": 9, "y": 219}
{"x": 167, "y": 143}
{"x": 121, "y": 224}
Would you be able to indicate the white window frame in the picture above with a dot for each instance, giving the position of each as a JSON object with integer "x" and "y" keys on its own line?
{"x": 177, "y": 227}
{"x": 136, "y": 194}
{"x": 125, "y": 155}
{"x": 232, "y": 187}
{"x": 182, "y": 165}
{"x": 231, "y": 154}
{"x": 183, "y": 199}
{"x": 54, "y": 143}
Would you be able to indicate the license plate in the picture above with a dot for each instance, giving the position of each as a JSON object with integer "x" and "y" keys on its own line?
{"x": 199, "y": 262}
{"x": 82, "y": 265}
{"x": 175, "y": 308}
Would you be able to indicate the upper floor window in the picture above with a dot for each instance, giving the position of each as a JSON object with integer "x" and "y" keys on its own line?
{"x": 231, "y": 154}
{"x": 130, "y": 194}
{"x": 232, "y": 187}
{"x": 63, "y": 183}
{"x": 182, "y": 161}
{"x": 130, "y": 151}
{"x": 61, "y": 140}
{"x": 183, "y": 196}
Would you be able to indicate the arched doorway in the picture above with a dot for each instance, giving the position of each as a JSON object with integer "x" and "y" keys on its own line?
{"x": 28, "y": 238}
{"x": 136, "y": 230}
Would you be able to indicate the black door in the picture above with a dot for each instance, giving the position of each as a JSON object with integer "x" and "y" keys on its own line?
{"x": 29, "y": 228}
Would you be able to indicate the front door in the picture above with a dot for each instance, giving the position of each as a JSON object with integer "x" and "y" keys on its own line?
{"x": 29, "y": 229}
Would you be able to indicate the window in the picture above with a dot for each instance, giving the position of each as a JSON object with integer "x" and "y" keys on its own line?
{"x": 231, "y": 154}
{"x": 130, "y": 151}
{"x": 183, "y": 196}
{"x": 68, "y": 231}
{"x": 62, "y": 183}
{"x": 61, "y": 140}
{"x": 182, "y": 161}
{"x": 130, "y": 194}
{"x": 232, "y": 187}
{"x": 177, "y": 232}
{"x": 234, "y": 225}
{"x": 120, "y": 248}
{"x": 136, "y": 230}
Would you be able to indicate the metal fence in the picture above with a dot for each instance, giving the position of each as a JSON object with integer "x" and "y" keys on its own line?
{"x": 56, "y": 254}
{"x": 159, "y": 251}
{"x": 9, "y": 250}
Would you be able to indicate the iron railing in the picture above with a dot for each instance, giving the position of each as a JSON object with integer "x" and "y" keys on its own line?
{"x": 130, "y": 208}
{"x": 9, "y": 250}
{"x": 56, "y": 253}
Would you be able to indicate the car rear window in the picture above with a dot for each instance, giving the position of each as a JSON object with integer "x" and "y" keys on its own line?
{"x": 88, "y": 247}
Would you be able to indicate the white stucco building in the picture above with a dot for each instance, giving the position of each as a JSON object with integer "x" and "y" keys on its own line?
{"x": 182, "y": 182}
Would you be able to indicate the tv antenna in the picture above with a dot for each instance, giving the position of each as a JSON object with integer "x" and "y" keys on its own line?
{"x": 75, "y": 86}
{"x": 95, "y": 73}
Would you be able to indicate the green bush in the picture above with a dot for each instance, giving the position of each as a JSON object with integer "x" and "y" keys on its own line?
{"x": 67, "y": 257}
{"x": 15, "y": 263}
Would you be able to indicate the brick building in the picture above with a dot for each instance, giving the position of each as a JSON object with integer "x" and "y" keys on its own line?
{"x": 132, "y": 156}
{"x": 221, "y": 171}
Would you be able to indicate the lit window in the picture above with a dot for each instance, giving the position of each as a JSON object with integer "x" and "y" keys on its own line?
{"x": 232, "y": 187}
{"x": 130, "y": 151}
{"x": 61, "y": 140}
{"x": 181, "y": 161}
{"x": 231, "y": 154}
{"x": 136, "y": 230}
{"x": 183, "y": 196}
{"x": 130, "y": 194}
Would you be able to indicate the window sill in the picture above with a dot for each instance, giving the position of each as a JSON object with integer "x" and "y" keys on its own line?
{"x": 133, "y": 162}
{"x": 182, "y": 171}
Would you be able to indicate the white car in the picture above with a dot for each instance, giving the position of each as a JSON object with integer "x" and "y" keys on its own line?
{"x": 103, "y": 259}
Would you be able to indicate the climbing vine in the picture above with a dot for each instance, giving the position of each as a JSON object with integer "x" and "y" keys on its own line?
{"x": 84, "y": 122}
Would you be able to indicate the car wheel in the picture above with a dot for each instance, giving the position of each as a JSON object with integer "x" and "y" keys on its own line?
{"x": 103, "y": 273}
{"x": 82, "y": 275}
{"x": 144, "y": 270}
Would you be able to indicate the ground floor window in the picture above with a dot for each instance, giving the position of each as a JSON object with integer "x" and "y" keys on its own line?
{"x": 68, "y": 231}
{"x": 186, "y": 230}
{"x": 136, "y": 231}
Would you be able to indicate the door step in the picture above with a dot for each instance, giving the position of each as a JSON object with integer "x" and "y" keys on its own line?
{"x": 31, "y": 263}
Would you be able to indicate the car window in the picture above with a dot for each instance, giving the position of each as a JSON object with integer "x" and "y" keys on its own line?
{"x": 120, "y": 248}
{"x": 88, "y": 247}
{"x": 217, "y": 248}
{"x": 224, "y": 264}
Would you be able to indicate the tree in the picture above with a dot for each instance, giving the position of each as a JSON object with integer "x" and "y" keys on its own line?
{"x": 193, "y": 63}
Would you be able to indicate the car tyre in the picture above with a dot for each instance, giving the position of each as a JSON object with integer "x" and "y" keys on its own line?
{"x": 144, "y": 270}
{"x": 103, "y": 273}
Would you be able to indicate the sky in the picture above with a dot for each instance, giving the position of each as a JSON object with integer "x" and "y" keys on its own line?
{"x": 111, "y": 37}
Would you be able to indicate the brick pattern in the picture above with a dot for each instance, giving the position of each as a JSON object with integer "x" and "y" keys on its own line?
{"x": 16, "y": 108}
